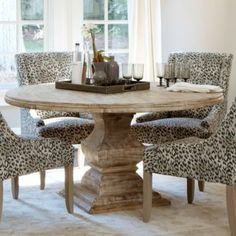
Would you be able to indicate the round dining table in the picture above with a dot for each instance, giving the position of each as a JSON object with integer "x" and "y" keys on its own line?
{"x": 112, "y": 153}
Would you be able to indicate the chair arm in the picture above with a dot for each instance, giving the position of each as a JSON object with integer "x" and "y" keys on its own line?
{"x": 215, "y": 117}
{"x": 149, "y": 116}
{"x": 29, "y": 122}
{"x": 85, "y": 115}
{"x": 39, "y": 122}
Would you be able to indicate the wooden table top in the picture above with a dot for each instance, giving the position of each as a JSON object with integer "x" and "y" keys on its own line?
{"x": 47, "y": 97}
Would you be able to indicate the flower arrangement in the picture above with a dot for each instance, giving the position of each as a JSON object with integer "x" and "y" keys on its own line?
{"x": 89, "y": 32}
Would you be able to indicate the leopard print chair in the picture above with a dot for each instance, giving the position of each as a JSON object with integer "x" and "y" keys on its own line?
{"x": 211, "y": 160}
{"x": 21, "y": 156}
{"x": 206, "y": 68}
{"x": 71, "y": 127}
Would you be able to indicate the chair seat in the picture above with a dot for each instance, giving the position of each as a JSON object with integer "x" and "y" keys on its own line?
{"x": 69, "y": 129}
{"x": 168, "y": 130}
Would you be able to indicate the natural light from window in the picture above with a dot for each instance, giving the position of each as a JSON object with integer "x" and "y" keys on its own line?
{"x": 21, "y": 30}
{"x": 111, "y": 18}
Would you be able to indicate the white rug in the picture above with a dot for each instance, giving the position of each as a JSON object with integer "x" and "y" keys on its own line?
{"x": 43, "y": 212}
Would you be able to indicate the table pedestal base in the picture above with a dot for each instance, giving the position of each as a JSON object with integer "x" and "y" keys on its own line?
{"x": 112, "y": 182}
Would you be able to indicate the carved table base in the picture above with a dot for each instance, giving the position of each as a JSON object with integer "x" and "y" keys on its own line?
{"x": 112, "y": 182}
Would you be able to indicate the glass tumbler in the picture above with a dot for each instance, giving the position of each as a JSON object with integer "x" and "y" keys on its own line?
{"x": 160, "y": 67}
{"x": 185, "y": 72}
{"x": 127, "y": 71}
{"x": 138, "y": 70}
{"x": 169, "y": 73}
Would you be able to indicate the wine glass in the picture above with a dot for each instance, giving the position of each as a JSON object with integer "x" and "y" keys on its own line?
{"x": 178, "y": 71}
{"x": 138, "y": 71}
{"x": 160, "y": 72}
{"x": 186, "y": 72}
{"x": 127, "y": 71}
{"x": 169, "y": 73}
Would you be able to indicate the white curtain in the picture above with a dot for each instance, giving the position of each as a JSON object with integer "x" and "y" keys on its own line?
{"x": 59, "y": 28}
{"x": 65, "y": 18}
{"x": 145, "y": 35}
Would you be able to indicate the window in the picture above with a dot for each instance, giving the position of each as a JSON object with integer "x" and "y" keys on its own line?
{"x": 21, "y": 30}
{"x": 111, "y": 18}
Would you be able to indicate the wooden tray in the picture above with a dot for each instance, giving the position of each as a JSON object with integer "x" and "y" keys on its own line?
{"x": 109, "y": 89}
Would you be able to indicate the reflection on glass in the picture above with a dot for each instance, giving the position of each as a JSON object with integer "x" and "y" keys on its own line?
{"x": 33, "y": 38}
{"x": 7, "y": 38}
{"x": 7, "y": 72}
{"x": 32, "y": 9}
{"x": 117, "y": 10}
{"x": 7, "y": 10}
{"x": 118, "y": 36}
{"x": 93, "y": 9}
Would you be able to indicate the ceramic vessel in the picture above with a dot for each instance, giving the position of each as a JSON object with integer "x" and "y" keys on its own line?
{"x": 100, "y": 75}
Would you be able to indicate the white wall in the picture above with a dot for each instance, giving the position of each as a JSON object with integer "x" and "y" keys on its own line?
{"x": 200, "y": 25}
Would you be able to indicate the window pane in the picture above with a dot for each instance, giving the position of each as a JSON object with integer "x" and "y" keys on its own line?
{"x": 7, "y": 10}
{"x": 33, "y": 38}
{"x": 7, "y": 38}
{"x": 32, "y": 9}
{"x": 7, "y": 72}
{"x": 117, "y": 10}
{"x": 120, "y": 57}
{"x": 118, "y": 37}
{"x": 93, "y": 9}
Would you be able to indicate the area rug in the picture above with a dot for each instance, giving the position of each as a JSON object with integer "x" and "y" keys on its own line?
{"x": 43, "y": 212}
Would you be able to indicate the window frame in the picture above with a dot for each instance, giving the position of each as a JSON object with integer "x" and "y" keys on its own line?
{"x": 18, "y": 23}
{"x": 106, "y": 22}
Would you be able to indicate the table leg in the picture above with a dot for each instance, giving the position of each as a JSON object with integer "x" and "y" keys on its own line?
{"x": 112, "y": 182}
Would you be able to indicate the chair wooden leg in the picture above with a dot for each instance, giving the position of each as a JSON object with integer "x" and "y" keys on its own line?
{"x": 69, "y": 187}
{"x": 231, "y": 207}
{"x": 201, "y": 185}
{"x": 15, "y": 187}
{"x": 147, "y": 195}
{"x": 190, "y": 190}
{"x": 42, "y": 179}
{"x": 1, "y": 198}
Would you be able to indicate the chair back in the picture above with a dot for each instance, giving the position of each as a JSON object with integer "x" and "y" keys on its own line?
{"x": 227, "y": 131}
{"x": 44, "y": 67}
{"x": 206, "y": 68}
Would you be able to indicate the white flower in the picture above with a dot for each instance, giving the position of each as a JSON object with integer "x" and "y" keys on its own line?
{"x": 91, "y": 27}
{"x": 88, "y": 29}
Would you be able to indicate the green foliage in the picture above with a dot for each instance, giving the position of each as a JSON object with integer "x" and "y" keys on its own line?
{"x": 32, "y": 9}
{"x": 118, "y": 10}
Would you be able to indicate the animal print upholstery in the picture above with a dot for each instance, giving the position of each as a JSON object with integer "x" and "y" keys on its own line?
{"x": 78, "y": 129}
{"x": 35, "y": 68}
{"x": 169, "y": 129}
{"x": 205, "y": 68}
{"x": 212, "y": 159}
{"x": 19, "y": 156}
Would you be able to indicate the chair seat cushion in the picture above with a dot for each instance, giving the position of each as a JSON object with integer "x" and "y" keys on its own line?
{"x": 168, "y": 130}
{"x": 69, "y": 129}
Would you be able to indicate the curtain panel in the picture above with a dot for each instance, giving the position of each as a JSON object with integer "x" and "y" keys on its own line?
{"x": 145, "y": 35}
